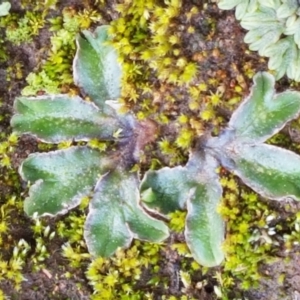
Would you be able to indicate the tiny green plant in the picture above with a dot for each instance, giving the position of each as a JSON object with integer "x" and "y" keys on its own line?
{"x": 60, "y": 179}
{"x": 270, "y": 171}
{"x": 274, "y": 31}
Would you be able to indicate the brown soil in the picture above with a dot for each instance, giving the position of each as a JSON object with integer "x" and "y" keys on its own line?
{"x": 51, "y": 281}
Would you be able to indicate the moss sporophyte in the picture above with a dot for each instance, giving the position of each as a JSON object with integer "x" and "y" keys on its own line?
{"x": 60, "y": 179}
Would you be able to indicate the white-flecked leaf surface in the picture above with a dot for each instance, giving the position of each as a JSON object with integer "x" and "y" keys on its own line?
{"x": 270, "y": 171}
{"x": 96, "y": 69}
{"x": 204, "y": 231}
{"x": 61, "y": 178}
{"x": 115, "y": 216}
{"x": 197, "y": 187}
{"x": 242, "y": 6}
{"x": 166, "y": 190}
{"x": 60, "y": 118}
{"x": 263, "y": 113}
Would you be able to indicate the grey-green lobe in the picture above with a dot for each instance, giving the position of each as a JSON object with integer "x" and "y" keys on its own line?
{"x": 264, "y": 28}
{"x": 241, "y": 6}
{"x": 115, "y": 216}
{"x": 96, "y": 69}
{"x": 270, "y": 171}
{"x": 262, "y": 114}
{"x": 166, "y": 189}
{"x": 60, "y": 178}
{"x": 60, "y": 118}
{"x": 288, "y": 8}
{"x": 196, "y": 186}
{"x": 105, "y": 228}
{"x": 284, "y": 57}
{"x": 204, "y": 231}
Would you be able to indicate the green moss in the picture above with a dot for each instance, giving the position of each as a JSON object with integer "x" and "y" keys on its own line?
{"x": 55, "y": 74}
{"x": 11, "y": 266}
{"x": 177, "y": 221}
{"x": 160, "y": 76}
{"x": 250, "y": 240}
{"x": 163, "y": 82}
{"x": 120, "y": 275}
{"x": 21, "y": 30}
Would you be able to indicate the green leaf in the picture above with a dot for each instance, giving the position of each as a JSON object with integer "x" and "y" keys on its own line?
{"x": 96, "y": 69}
{"x": 241, "y": 6}
{"x": 292, "y": 25}
{"x": 60, "y": 118}
{"x": 264, "y": 29}
{"x": 142, "y": 225}
{"x": 61, "y": 178}
{"x": 257, "y": 33}
{"x": 263, "y": 113}
{"x": 270, "y": 171}
{"x": 262, "y": 37}
{"x": 288, "y": 8}
{"x": 271, "y": 3}
{"x": 277, "y": 53}
{"x": 204, "y": 231}
{"x": 241, "y": 10}
{"x": 196, "y": 186}
{"x": 115, "y": 216}
{"x": 265, "y": 16}
{"x": 284, "y": 58}
{"x": 297, "y": 40}
{"x": 274, "y": 31}
{"x": 105, "y": 228}
{"x": 165, "y": 190}
{"x": 229, "y": 4}
{"x": 293, "y": 57}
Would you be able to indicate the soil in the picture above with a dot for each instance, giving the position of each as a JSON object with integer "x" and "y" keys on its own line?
{"x": 51, "y": 281}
